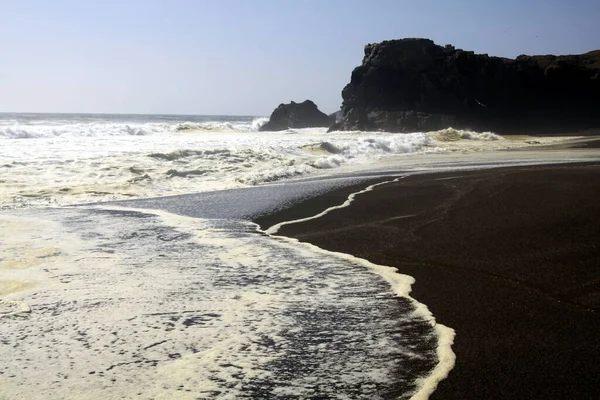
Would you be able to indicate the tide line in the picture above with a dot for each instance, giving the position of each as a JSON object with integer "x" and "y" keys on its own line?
{"x": 400, "y": 284}
{"x": 275, "y": 228}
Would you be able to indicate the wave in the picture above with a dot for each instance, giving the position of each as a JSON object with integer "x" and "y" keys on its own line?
{"x": 257, "y": 123}
{"x": 119, "y": 164}
{"x": 370, "y": 147}
{"x": 451, "y": 135}
{"x": 176, "y": 155}
{"x": 276, "y": 174}
{"x": 17, "y": 131}
{"x": 10, "y": 129}
{"x": 223, "y": 126}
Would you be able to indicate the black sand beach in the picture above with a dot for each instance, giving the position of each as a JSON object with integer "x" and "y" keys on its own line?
{"x": 508, "y": 257}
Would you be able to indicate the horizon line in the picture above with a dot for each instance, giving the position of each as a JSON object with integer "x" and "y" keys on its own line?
{"x": 125, "y": 113}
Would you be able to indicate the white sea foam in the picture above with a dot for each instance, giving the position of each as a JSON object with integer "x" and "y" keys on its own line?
{"x": 12, "y": 129}
{"x": 222, "y": 126}
{"x": 401, "y": 285}
{"x": 155, "y": 305}
{"x": 17, "y": 131}
{"x": 451, "y": 135}
{"x": 367, "y": 148}
{"x": 10, "y": 308}
{"x": 75, "y": 160}
{"x": 65, "y": 170}
{"x": 204, "y": 306}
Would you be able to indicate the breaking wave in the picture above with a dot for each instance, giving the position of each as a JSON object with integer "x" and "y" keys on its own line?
{"x": 370, "y": 147}
{"x": 12, "y": 129}
{"x": 77, "y": 159}
{"x": 223, "y": 126}
{"x": 79, "y": 130}
{"x": 451, "y": 135}
{"x": 104, "y": 168}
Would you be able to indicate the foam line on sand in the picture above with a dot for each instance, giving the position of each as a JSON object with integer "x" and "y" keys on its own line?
{"x": 401, "y": 286}
{"x": 275, "y": 228}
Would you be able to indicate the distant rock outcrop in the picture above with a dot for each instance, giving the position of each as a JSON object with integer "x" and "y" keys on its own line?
{"x": 415, "y": 85}
{"x": 296, "y": 115}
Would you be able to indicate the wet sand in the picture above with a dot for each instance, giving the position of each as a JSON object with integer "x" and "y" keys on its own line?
{"x": 508, "y": 257}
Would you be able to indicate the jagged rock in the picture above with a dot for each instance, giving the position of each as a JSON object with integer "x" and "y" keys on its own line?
{"x": 415, "y": 85}
{"x": 296, "y": 115}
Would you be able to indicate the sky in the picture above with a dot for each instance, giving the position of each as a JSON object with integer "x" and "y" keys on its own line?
{"x": 228, "y": 57}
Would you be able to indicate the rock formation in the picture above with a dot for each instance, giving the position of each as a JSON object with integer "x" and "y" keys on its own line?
{"x": 296, "y": 115}
{"x": 415, "y": 85}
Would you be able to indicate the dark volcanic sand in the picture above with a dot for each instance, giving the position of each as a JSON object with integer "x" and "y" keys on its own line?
{"x": 509, "y": 258}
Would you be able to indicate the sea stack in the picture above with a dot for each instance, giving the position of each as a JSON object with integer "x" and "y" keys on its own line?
{"x": 296, "y": 115}
{"x": 415, "y": 85}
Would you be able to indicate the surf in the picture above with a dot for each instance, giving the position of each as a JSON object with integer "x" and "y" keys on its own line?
{"x": 153, "y": 304}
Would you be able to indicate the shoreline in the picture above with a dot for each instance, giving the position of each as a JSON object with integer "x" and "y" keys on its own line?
{"x": 401, "y": 285}
{"x": 300, "y": 198}
{"x": 514, "y": 275}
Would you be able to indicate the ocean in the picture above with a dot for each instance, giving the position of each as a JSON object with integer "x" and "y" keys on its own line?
{"x": 130, "y": 266}
{"x": 57, "y": 159}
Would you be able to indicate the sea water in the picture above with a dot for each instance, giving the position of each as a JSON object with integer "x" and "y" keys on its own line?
{"x": 55, "y": 159}
{"x": 105, "y": 301}
{"x": 150, "y": 305}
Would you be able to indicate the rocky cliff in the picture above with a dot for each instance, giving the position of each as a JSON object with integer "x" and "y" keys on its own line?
{"x": 296, "y": 115}
{"x": 415, "y": 85}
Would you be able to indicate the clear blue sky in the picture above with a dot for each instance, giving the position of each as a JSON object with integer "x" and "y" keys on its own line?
{"x": 245, "y": 57}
